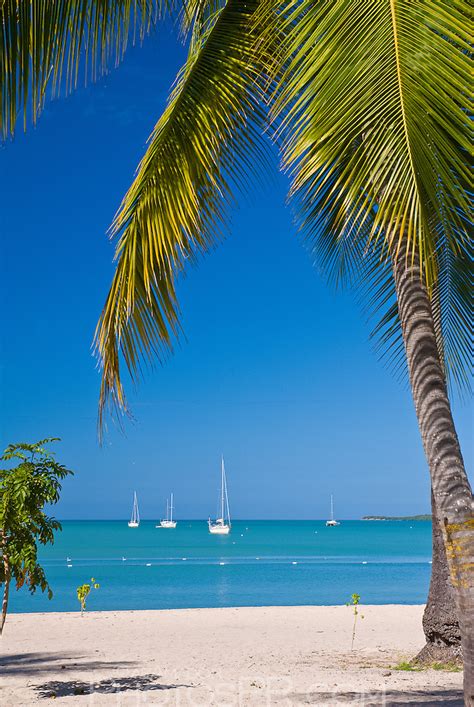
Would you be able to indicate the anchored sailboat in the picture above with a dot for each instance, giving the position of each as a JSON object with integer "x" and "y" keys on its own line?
{"x": 222, "y": 525}
{"x": 168, "y": 522}
{"x": 134, "y": 521}
{"x": 331, "y": 523}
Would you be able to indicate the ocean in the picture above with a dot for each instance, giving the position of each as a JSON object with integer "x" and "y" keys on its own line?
{"x": 261, "y": 563}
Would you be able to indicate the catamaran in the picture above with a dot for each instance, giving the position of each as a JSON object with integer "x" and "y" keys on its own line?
{"x": 134, "y": 521}
{"x": 331, "y": 523}
{"x": 168, "y": 522}
{"x": 222, "y": 525}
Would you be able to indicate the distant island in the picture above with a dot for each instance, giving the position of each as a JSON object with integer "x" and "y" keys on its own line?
{"x": 421, "y": 517}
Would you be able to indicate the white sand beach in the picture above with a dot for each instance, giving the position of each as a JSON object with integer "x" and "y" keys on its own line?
{"x": 224, "y": 657}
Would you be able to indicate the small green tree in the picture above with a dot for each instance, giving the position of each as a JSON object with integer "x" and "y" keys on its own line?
{"x": 24, "y": 491}
{"x": 83, "y": 592}
{"x": 354, "y": 602}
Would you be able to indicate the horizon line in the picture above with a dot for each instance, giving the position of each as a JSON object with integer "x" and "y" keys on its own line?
{"x": 242, "y": 520}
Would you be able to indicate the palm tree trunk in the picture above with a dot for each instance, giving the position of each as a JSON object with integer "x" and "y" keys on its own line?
{"x": 451, "y": 490}
{"x": 440, "y": 619}
{"x": 7, "y": 578}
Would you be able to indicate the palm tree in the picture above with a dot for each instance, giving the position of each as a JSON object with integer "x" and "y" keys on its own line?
{"x": 367, "y": 102}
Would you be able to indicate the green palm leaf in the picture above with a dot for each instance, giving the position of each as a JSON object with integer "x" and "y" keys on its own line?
{"x": 373, "y": 107}
{"x": 45, "y": 44}
{"x": 176, "y": 206}
{"x": 370, "y": 108}
{"x": 197, "y": 16}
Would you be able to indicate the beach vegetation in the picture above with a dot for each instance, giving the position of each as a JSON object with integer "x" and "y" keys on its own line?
{"x": 83, "y": 592}
{"x": 448, "y": 667}
{"x": 25, "y": 490}
{"x": 407, "y": 666}
{"x": 413, "y": 666}
{"x": 354, "y": 603}
{"x": 367, "y": 103}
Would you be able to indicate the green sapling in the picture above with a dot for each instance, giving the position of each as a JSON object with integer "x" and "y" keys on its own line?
{"x": 83, "y": 592}
{"x": 354, "y": 602}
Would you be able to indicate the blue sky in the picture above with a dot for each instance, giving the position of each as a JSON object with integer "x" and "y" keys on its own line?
{"x": 276, "y": 371}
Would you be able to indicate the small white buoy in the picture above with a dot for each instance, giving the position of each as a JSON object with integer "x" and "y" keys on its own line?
{"x": 241, "y": 535}
{"x": 294, "y": 563}
{"x": 69, "y": 565}
{"x": 123, "y": 559}
{"x": 257, "y": 558}
{"x": 184, "y": 559}
{"x": 148, "y": 564}
{"x": 364, "y": 563}
{"x": 222, "y": 563}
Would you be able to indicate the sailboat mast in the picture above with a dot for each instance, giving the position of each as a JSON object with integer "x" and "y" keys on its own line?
{"x": 227, "y": 500}
{"x": 171, "y": 508}
{"x": 222, "y": 488}
{"x": 135, "y": 507}
{"x": 332, "y": 508}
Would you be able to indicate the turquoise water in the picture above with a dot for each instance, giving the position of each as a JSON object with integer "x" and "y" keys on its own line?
{"x": 259, "y": 563}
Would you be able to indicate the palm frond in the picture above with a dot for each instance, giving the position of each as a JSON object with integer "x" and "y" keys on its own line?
{"x": 45, "y": 44}
{"x": 197, "y": 15}
{"x": 374, "y": 109}
{"x": 453, "y": 307}
{"x": 370, "y": 107}
{"x": 368, "y": 272}
{"x": 207, "y": 140}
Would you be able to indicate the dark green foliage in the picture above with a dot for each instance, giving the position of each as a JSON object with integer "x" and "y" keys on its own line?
{"x": 24, "y": 491}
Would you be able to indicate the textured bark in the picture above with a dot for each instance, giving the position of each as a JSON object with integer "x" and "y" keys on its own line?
{"x": 451, "y": 489}
{"x": 440, "y": 619}
{"x": 6, "y": 588}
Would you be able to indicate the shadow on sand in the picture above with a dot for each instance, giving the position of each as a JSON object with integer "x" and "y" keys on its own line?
{"x": 37, "y": 663}
{"x": 433, "y": 697}
{"x": 143, "y": 683}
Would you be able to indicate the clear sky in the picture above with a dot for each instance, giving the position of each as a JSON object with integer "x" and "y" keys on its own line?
{"x": 276, "y": 372}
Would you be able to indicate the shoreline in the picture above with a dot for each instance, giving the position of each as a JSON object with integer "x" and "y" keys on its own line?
{"x": 242, "y": 656}
{"x": 208, "y": 608}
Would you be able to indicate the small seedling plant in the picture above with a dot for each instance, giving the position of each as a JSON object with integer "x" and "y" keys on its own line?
{"x": 83, "y": 592}
{"x": 354, "y": 603}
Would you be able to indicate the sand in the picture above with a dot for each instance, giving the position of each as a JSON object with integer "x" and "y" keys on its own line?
{"x": 225, "y": 657}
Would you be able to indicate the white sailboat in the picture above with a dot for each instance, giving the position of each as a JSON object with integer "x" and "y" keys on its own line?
{"x": 134, "y": 521}
{"x": 331, "y": 523}
{"x": 222, "y": 525}
{"x": 168, "y": 522}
